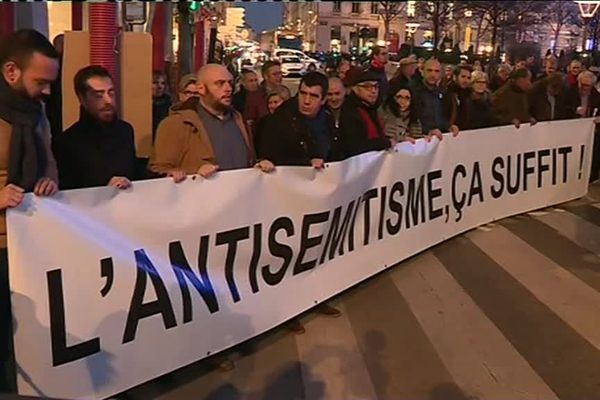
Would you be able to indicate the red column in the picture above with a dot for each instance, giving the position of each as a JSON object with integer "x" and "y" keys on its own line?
{"x": 103, "y": 36}
{"x": 77, "y": 15}
{"x": 7, "y": 19}
{"x": 159, "y": 25}
{"x": 199, "y": 45}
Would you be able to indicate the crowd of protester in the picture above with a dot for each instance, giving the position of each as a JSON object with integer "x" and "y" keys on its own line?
{"x": 208, "y": 126}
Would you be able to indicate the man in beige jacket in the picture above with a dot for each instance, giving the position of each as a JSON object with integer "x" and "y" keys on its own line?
{"x": 28, "y": 65}
{"x": 205, "y": 134}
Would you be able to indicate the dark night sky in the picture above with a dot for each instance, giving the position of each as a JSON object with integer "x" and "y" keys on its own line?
{"x": 262, "y": 15}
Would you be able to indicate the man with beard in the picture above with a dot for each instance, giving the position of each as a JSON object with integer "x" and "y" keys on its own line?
{"x": 98, "y": 149}
{"x": 458, "y": 97}
{"x": 205, "y": 134}
{"x": 28, "y": 64}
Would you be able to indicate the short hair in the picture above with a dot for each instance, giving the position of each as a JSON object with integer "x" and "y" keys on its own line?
{"x": 551, "y": 60}
{"x": 334, "y": 80}
{"x": 584, "y": 74}
{"x": 555, "y": 79}
{"x": 459, "y": 68}
{"x": 315, "y": 78}
{"x": 377, "y": 49}
{"x": 268, "y": 65}
{"x": 275, "y": 93}
{"x": 520, "y": 59}
{"x": 478, "y": 76}
{"x": 247, "y": 71}
{"x": 505, "y": 67}
{"x": 158, "y": 74}
{"x": 520, "y": 73}
{"x": 83, "y": 75}
{"x": 574, "y": 61}
{"x": 20, "y": 46}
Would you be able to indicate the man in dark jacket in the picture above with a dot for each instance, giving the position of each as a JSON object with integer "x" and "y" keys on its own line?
{"x": 161, "y": 101}
{"x": 302, "y": 131}
{"x": 360, "y": 127}
{"x": 249, "y": 84}
{"x": 98, "y": 149}
{"x": 547, "y": 99}
{"x": 510, "y": 103}
{"x": 429, "y": 101}
{"x": 583, "y": 98}
{"x": 457, "y": 97}
{"x": 378, "y": 62}
{"x": 406, "y": 71}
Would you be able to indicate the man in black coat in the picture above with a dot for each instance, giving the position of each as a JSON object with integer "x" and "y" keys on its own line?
{"x": 99, "y": 148}
{"x": 302, "y": 131}
{"x": 361, "y": 129}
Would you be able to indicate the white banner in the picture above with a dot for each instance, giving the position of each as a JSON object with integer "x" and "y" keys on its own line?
{"x": 114, "y": 288}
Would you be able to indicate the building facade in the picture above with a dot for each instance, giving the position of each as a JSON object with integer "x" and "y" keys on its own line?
{"x": 347, "y": 26}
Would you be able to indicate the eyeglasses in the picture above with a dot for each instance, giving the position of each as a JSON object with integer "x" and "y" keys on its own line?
{"x": 369, "y": 86}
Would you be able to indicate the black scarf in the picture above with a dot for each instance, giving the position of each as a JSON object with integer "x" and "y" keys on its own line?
{"x": 27, "y": 156}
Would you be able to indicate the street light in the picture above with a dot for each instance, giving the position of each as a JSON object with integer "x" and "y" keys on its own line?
{"x": 587, "y": 8}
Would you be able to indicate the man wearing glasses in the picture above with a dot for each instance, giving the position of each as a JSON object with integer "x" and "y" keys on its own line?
{"x": 361, "y": 129}
{"x": 378, "y": 62}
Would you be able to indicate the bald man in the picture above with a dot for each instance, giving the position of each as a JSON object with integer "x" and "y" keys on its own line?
{"x": 429, "y": 101}
{"x": 205, "y": 134}
{"x": 335, "y": 98}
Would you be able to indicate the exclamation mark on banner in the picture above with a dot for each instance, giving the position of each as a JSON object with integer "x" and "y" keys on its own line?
{"x": 581, "y": 154}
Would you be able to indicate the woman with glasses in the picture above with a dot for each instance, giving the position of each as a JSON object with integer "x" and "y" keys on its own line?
{"x": 481, "y": 104}
{"x": 400, "y": 121}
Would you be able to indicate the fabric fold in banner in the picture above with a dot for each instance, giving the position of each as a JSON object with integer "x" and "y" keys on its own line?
{"x": 111, "y": 289}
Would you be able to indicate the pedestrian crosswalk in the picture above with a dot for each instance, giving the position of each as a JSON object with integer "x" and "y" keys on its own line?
{"x": 508, "y": 312}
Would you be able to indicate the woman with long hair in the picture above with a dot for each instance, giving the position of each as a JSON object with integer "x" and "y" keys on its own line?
{"x": 399, "y": 119}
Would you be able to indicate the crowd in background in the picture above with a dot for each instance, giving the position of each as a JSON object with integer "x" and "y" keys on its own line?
{"x": 212, "y": 123}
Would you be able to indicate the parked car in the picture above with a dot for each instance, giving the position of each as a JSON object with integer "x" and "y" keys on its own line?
{"x": 291, "y": 65}
{"x": 306, "y": 60}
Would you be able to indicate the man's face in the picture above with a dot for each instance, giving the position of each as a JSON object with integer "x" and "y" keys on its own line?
{"x": 575, "y": 68}
{"x": 158, "y": 86}
{"x": 99, "y": 99}
{"x": 273, "y": 76}
{"x": 521, "y": 64}
{"x": 367, "y": 91}
{"x": 250, "y": 82}
{"x": 32, "y": 81}
{"x": 216, "y": 89}
{"x": 585, "y": 85}
{"x": 409, "y": 70}
{"x": 191, "y": 90}
{"x": 335, "y": 95}
{"x": 382, "y": 57}
{"x": 524, "y": 83}
{"x": 550, "y": 68}
{"x": 310, "y": 100}
{"x": 433, "y": 71}
{"x": 463, "y": 79}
